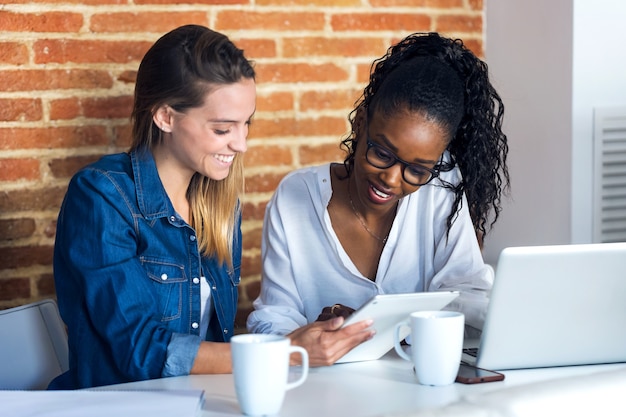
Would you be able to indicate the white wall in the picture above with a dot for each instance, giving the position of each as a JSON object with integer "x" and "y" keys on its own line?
{"x": 529, "y": 53}
{"x": 552, "y": 62}
{"x": 600, "y": 81}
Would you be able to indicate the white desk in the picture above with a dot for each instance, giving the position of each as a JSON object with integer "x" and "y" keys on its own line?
{"x": 363, "y": 389}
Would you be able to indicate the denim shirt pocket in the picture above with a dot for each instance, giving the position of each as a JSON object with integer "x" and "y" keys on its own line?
{"x": 168, "y": 281}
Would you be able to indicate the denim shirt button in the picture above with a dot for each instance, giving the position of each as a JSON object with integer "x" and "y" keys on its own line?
{"x": 194, "y": 325}
{"x": 164, "y": 277}
{"x": 172, "y": 219}
{"x": 192, "y": 238}
{"x": 196, "y": 280}
{"x": 225, "y": 331}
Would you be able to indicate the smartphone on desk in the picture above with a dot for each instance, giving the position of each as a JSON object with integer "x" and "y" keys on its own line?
{"x": 469, "y": 374}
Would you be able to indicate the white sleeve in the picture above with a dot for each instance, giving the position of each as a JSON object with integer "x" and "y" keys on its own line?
{"x": 279, "y": 308}
{"x": 460, "y": 266}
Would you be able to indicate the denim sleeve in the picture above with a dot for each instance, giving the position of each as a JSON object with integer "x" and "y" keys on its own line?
{"x": 181, "y": 353}
{"x": 106, "y": 297}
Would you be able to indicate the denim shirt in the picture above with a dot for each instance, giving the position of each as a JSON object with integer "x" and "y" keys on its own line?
{"x": 127, "y": 272}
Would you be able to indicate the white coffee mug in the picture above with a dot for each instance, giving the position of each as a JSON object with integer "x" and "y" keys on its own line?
{"x": 261, "y": 371}
{"x": 436, "y": 345}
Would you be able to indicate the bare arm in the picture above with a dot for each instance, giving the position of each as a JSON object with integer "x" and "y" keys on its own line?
{"x": 213, "y": 358}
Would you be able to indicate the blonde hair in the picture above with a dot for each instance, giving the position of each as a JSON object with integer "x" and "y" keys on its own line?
{"x": 215, "y": 209}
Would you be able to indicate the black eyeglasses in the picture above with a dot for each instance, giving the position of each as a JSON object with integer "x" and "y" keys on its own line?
{"x": 413, "y": 174}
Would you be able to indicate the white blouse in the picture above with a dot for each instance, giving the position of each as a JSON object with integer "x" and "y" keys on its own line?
{"x": 305, "y": 267}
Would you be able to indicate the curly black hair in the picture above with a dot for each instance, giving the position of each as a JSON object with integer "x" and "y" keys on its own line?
{"x": 444, "y": 79}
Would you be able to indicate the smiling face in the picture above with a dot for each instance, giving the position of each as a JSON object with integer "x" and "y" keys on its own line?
{"x": 409, "y": 136}
{"x": 206, "y": 139}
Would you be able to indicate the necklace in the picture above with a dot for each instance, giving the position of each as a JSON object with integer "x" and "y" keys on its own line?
{"x": 367, "y": 229}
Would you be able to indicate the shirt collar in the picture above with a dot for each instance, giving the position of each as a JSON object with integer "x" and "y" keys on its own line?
{"x": 151, "y": 196}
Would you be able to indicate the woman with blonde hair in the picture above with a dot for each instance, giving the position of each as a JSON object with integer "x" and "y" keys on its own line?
{"x": 148, "y": 247}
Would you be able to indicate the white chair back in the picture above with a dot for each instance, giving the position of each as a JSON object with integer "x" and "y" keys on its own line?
{"x": 33, "y": 346}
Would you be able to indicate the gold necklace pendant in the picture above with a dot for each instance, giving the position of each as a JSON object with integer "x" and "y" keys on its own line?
{"x": 367, "y": 229}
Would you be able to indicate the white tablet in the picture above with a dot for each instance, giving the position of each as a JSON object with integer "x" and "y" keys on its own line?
{"x": 387, "y": 310}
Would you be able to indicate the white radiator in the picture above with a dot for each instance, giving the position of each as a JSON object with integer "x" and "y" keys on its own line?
{"x": 609, "y": 188}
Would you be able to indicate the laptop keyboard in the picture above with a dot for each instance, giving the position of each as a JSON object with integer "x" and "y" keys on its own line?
{"x": 471, "y": 351}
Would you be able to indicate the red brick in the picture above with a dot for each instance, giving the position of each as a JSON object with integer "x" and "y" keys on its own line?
{"x": 440, "y": 4}
{"x": 11, "y": 229}
{"x": 13, "y": 169}
{"x": 210, "y": 2}
{"x": 363, "y": 73}
{"x": 108, "y": 107}
{"x": 45, "y": 285}
{"x": 129, "y": 76}
{"x": 87, "y": 97}
{"x": 156, "y": 22}
{"x": 66, "y": 167}
{"x": 41, "y": 22}
{"x": 252, "y": 212}
{"x": 79, "y": 2}
{"x": 268, "y": 21}
{"x": 243, "y": 311}
{"x": 329, "y": 100}
{"x": 276, "y": 101}
{"x": 268, "y": 155}
{"x": 51, "y": 228}
{"x": 20, "y": 109}
{"x": 459, "y": 23}
{"x": 476, "y": 46}
{"x": 263, "y": 182}
{"x": 251, "y": 265}
{"x": 313, "y": 3}
{"x": 122, "y": 136}
{"x": 24, "y": 256}
{"x": 253, "y": 289}
{"x": 249, "y": 290}
{"x": 15, "y": 53}
{"x": 256, "y": 48}
{"x": 320, "y": 154}
{"x": 52, "y": 137}
{"x": 323, "y": 126}
{"x": 14, "y": 287}
{"x": 445, "y": 4}
{"x": 46, "y": 198}
{"x": 65, "y": 108}
{"x": 330, "y": 46}
{"x": 406, "y": 22}
{"x": 88, "y": 51}
{"x": 53, "y": 79}
{"x": 477, "y": 4}
{"x": 301, "y": 73}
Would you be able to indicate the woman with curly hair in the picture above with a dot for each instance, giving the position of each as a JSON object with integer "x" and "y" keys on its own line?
{"x": 407, "y": 211}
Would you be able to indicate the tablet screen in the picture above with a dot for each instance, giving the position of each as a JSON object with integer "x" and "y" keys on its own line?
{"x": 387, "y": 310}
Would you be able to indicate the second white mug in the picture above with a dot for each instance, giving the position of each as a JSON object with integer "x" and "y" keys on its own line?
{"x": 436, "y": 345}
{"x": 261, "y": 370}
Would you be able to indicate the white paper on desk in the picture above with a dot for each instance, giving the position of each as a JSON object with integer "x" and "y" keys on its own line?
{"x": 182, "y": 403}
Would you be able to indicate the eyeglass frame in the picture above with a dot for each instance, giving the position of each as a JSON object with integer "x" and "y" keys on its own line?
{"x": 434, "y": 172}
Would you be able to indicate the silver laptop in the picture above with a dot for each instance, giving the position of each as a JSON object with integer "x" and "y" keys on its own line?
{"x": 555, "y": 306}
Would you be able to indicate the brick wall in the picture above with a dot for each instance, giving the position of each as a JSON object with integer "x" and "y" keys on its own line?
{"x": 66, "y": 81}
